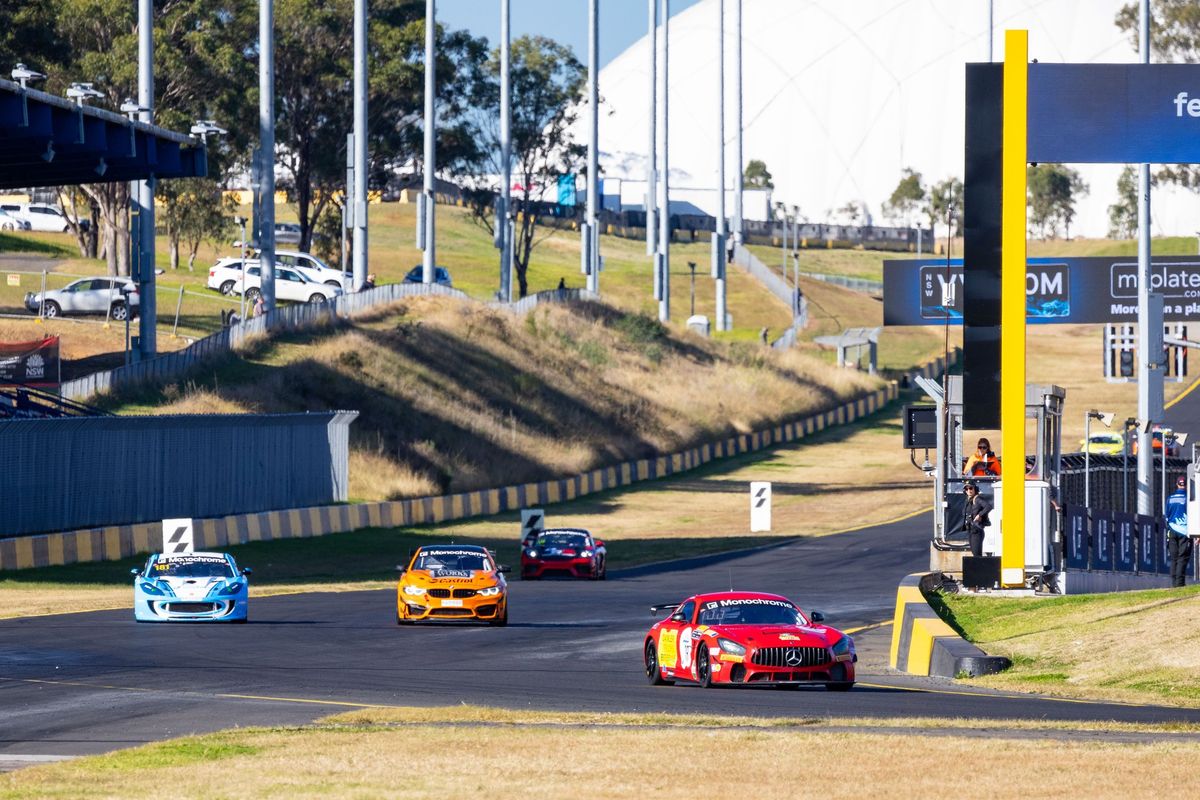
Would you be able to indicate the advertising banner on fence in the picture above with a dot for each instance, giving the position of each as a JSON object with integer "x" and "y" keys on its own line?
{"x": 1057, "y": 290}
{"x": 33, "y": 364}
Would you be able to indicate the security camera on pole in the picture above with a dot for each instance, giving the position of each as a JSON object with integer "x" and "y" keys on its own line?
{"x": 425, "y": 205}
{"x": 266, "y": 136}
{"x": 718, "y": 238}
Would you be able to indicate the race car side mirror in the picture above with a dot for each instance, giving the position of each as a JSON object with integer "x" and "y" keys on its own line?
{"x": 247, "y": 571}
{"x": 135, "y": 571}
{"x": 599, "y": 543}
{"x": 401, "y": 569}
{"x": 817, "y": 616}
{"x": 504, "y": 569}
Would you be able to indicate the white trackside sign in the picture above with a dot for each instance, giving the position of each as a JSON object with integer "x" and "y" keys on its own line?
{"x": 177, "y": 536}
{"x": 533, "y": 521}
{"x": 760, "y": 506}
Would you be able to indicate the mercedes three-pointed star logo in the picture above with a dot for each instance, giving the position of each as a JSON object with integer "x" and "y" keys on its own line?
{"x": 793, "y": 657}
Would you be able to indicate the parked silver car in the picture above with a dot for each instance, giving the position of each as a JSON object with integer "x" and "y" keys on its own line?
{"x": 116, "y": 297}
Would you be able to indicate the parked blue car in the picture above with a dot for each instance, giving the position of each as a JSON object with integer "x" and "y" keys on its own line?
{"x": 190, "y": 587}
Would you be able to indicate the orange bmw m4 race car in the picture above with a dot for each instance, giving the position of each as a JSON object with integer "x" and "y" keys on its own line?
{"x": 452, "y": 581}
{"x": 746, "y": 639}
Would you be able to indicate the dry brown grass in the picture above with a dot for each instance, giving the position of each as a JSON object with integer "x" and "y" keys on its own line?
{"x": 455, "y": 397}
{"x": 605, "y": 762}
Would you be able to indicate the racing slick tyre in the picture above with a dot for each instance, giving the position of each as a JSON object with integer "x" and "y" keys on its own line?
{"x": 501, "y": 621}
{"x": 653, "y": 674}
{"x": 836, "y": 685}
{"x": 703, "y": 668}
{"x": 50, "y": 309}
{"x": 227, "y": 287}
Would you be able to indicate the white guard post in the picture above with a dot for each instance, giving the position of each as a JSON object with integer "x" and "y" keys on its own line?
{"x": 760, "y": 506}
{"x": 533, "y": 520}
{"x": 178, "y": 536}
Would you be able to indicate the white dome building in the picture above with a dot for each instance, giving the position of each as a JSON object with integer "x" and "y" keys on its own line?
{"x": 842, "y": 96}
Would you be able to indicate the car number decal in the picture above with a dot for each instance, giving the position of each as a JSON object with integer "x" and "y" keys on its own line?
{"x": 685, "y": 648}
{"x": 668, "y": 655}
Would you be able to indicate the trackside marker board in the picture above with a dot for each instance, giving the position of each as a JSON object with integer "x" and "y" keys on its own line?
{"x": 178, "y": 536}
{"x": 760, "y": 506}
{"x": 533, "y": 522}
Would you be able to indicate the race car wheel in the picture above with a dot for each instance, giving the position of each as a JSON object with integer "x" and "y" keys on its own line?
{"x": 50, "y": 309}
{"x": 653, "y": 673}
{"x": 836, "y": 685}
{"x": 500, "y": 621}
{"x": 703, "y": 668}
{"x": 227, "y": 287}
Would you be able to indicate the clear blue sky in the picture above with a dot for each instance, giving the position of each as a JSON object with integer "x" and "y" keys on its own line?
{"x": 622, "y": 22}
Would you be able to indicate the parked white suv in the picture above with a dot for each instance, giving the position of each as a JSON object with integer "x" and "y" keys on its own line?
{"x": 112, "y": 296}
{"x": 225, "y": 274}
{"x": 290, "y": 284}
{"x": 40, "y": 216}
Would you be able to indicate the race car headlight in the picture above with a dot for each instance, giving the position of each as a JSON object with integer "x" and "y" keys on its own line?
{"x": 490, "y": 591}
{"x": 733, "y": 648}
{"x": 232, "y": 588}
{"x": 150, "y": 588}
{"x": 532, "y": 553}
{"x": 414, "y": 590}
{"x": 586, "y": 554}
{"x": 844, "y": 646}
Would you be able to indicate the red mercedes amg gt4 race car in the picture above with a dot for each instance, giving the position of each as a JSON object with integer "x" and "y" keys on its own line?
{"x": 746, "y": 639}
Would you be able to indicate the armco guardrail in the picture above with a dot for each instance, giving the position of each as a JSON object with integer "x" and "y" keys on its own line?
{"x": 116, "y": 542}
{"x": 74, "y": 472}
{"x": 924, "y": 644}
{"x": 873, "y": 288}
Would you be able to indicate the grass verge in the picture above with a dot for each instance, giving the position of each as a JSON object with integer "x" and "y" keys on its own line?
{"x": 413, "y": 753}
{"x": 1133, "y": 647}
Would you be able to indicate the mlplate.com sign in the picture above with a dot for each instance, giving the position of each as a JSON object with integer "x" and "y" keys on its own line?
{"x": 1114, "y": 113}
{"x": 1057, "y": 290}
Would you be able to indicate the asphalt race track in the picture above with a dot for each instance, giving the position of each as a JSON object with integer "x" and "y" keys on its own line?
{"x": 91, "y": 682}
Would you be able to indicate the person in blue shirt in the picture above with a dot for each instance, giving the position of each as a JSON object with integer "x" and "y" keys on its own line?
{"x": 1179, "y": 545}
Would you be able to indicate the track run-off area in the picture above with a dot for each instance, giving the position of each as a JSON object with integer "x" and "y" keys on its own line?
{"x": 83, "y": 683}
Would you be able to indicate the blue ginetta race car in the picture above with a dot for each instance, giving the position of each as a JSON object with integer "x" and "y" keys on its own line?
{"x": 190, "y": 587}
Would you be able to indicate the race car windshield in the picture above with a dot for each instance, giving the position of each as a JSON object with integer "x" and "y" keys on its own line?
{"x": 452, "y": 560}
{"x": 750, "y": 612}
{"x": 561, "y": 540}
{"x": 212, "y": 568}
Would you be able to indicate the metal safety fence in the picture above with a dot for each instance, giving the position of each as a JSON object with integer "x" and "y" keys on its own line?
{"x": 77, "y": 472}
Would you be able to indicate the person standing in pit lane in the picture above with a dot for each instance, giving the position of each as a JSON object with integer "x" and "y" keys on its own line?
{"x": 1179, "y": 544}
{"x": 976, "y": 517}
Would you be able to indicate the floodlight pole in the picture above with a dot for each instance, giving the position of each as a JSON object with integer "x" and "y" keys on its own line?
{"x": 651, "y": 158}
{"x": 739, "y": 178}
{"x": 148, "y": 307}
{"x": 359, "y": 258}
{"x": 593, "y": 184}
{"x": 664, "y": 199}
{"x": 718, "y": 239}
{"x": 266, "y": 136}
{"x": 1150, "y": 377}
{"x": 504, "y": 225}
{"x": 428, "y": 263}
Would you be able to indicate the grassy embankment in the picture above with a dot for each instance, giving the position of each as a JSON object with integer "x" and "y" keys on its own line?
{"x": 1133, "y": 647}
{"x": 371, "y": 753}
{"x": 821, "y": 486}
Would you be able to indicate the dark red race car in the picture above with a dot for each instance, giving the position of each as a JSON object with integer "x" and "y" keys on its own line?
{"x": 745, "y": 639}
{"x": 564, "y": 552}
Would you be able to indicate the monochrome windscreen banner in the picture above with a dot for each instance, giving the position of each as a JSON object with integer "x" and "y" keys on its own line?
{"x": 33, "y": 364}
{"x": 1057, "y": 290}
